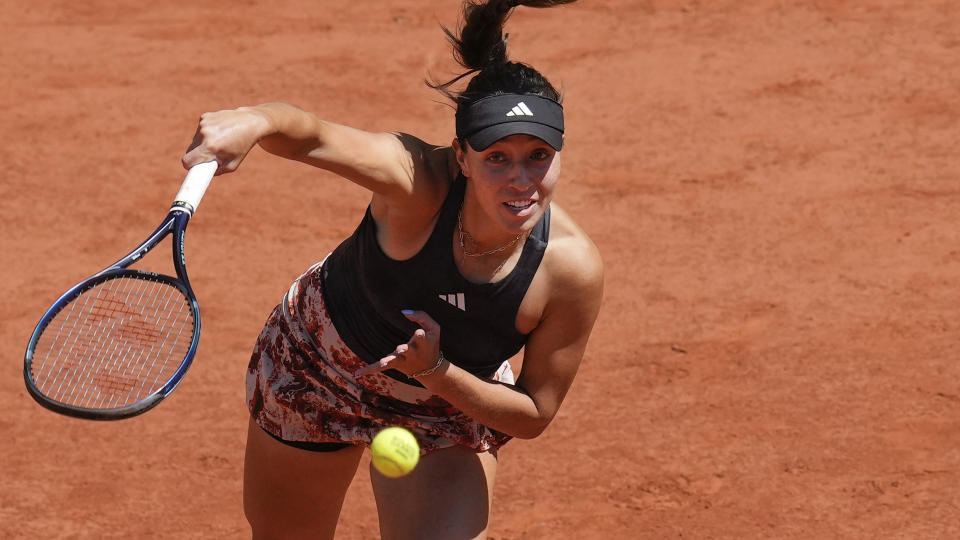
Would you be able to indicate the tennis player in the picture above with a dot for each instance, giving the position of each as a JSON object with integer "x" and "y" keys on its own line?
{"x": 460, "y": 262}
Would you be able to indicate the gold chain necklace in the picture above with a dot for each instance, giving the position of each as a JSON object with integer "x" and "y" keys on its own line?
{"x": 463, "y": 246}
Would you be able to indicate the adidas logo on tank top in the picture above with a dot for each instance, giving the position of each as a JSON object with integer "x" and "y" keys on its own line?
{"x": 456, "y": 300}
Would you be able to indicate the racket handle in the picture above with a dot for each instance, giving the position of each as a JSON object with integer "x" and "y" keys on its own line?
{"x": 194, "y": 186}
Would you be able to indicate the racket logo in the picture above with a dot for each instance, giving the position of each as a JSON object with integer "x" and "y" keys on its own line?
{"x": 180, "y": 206}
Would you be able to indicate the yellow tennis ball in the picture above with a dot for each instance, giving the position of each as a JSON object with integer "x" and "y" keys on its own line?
{"x": 394, "y": 452}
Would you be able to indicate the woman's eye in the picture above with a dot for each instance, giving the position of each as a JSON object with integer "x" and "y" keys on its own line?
{"x": 496, "y": 157}
{"x": 540, "y": 155}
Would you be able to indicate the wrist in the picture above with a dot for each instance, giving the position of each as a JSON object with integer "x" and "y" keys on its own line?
{"x": 261, "y": 119}
{"x": 430, "y": 370}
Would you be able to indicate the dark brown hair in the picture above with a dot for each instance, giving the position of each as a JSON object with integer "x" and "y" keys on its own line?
{"x": 480, "y": 46}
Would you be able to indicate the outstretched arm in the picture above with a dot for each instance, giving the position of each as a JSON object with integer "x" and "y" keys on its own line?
{"x": 385, "y": 163}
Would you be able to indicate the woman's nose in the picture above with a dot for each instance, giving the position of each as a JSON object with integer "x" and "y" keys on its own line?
{"x": 520, "y": 176}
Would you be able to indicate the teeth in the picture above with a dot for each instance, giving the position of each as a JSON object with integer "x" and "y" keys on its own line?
{"x": 519, "y": 204}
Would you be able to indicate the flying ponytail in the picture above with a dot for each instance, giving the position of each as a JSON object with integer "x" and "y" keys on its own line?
{"x": 480, "y": 47}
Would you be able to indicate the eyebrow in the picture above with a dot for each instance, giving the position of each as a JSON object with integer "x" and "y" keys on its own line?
{"x": 526, "y": 140}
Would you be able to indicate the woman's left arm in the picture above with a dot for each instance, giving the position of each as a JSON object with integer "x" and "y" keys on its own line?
{"x": 551, "y": 357}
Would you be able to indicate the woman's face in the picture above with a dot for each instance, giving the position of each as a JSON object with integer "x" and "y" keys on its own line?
{"x": 512, "y": 181}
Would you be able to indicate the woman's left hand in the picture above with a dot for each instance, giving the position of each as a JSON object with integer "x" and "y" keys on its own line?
{"x": 418, "y": 354}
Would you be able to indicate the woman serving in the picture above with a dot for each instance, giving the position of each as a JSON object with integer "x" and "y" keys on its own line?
{"x": 459, "y": 262}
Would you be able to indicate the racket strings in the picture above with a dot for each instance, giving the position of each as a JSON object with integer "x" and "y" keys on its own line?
{"x": 114, "y": 344}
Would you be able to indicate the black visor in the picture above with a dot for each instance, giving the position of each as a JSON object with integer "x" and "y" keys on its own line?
{"x": 494, "y": 117}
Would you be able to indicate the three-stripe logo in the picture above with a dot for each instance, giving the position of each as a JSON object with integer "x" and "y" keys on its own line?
{"x": 456, "y": 300}
{"x": 520, "y": 109}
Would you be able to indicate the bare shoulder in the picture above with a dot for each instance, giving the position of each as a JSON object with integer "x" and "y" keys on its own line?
{"x": 431, "y": 168}
{"x": 568, "y": 288}
{"x": 405, "y": 214}
{"x": 572, "y": 259}
{"x": 426, "y": 169}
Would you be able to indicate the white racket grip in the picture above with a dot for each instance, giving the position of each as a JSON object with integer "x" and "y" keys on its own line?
{"x": 195, "y": 185}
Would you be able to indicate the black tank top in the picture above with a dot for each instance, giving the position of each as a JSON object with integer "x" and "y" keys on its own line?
{"x": 365, "y": 291}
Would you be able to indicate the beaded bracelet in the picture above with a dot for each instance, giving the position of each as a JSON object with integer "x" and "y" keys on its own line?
{"x": 429, "y": 370}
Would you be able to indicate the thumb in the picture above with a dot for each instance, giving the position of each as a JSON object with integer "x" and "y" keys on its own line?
{"x": 425, "y": 321}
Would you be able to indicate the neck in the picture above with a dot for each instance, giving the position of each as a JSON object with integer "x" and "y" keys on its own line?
{"x": 470, "y": 247}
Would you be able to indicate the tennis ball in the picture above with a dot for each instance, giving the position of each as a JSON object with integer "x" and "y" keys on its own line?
{"x": 394, "y": 452}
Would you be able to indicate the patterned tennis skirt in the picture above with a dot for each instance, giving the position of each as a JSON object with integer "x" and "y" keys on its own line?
{"x": 300, "y": 385}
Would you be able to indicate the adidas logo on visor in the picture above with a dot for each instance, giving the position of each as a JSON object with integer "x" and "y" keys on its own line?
{"x": 521, "y": 109}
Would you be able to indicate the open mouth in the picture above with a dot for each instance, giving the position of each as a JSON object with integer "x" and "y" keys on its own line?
{"x": 519, "y": 205}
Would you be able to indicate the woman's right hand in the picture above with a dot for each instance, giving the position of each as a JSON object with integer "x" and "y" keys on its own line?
{"x": 226, "y": 136}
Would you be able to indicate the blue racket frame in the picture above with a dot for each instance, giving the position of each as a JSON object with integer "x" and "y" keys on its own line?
{"x": 176, "y": 223}
{"x": 192, "y": 190}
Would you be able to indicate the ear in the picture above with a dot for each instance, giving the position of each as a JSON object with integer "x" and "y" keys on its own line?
{"x": 461, "y": 153}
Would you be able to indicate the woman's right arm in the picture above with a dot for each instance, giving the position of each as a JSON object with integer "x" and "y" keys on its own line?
{"x": 385, "y": 163}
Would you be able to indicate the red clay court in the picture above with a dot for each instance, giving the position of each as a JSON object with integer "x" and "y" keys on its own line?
{"x": 773, "y": 185}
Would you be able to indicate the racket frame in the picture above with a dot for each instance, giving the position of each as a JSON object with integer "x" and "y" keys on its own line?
{"x": 175, "y": 223}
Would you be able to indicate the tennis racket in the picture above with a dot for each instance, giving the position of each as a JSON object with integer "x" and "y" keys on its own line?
{"x": 117, "y": 343}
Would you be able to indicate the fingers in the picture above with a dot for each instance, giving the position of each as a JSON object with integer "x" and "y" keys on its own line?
{"x": 376, "y": 367}
{"x": 425, "y": 321}
{"x": 427, "y": 337}
{"x": 385, "y": 363}
{"x": 197, "y": 155}
{"x": 223, "y": 136}
{"x": 197, "y": 152}
{"x": 415, "y": 355}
